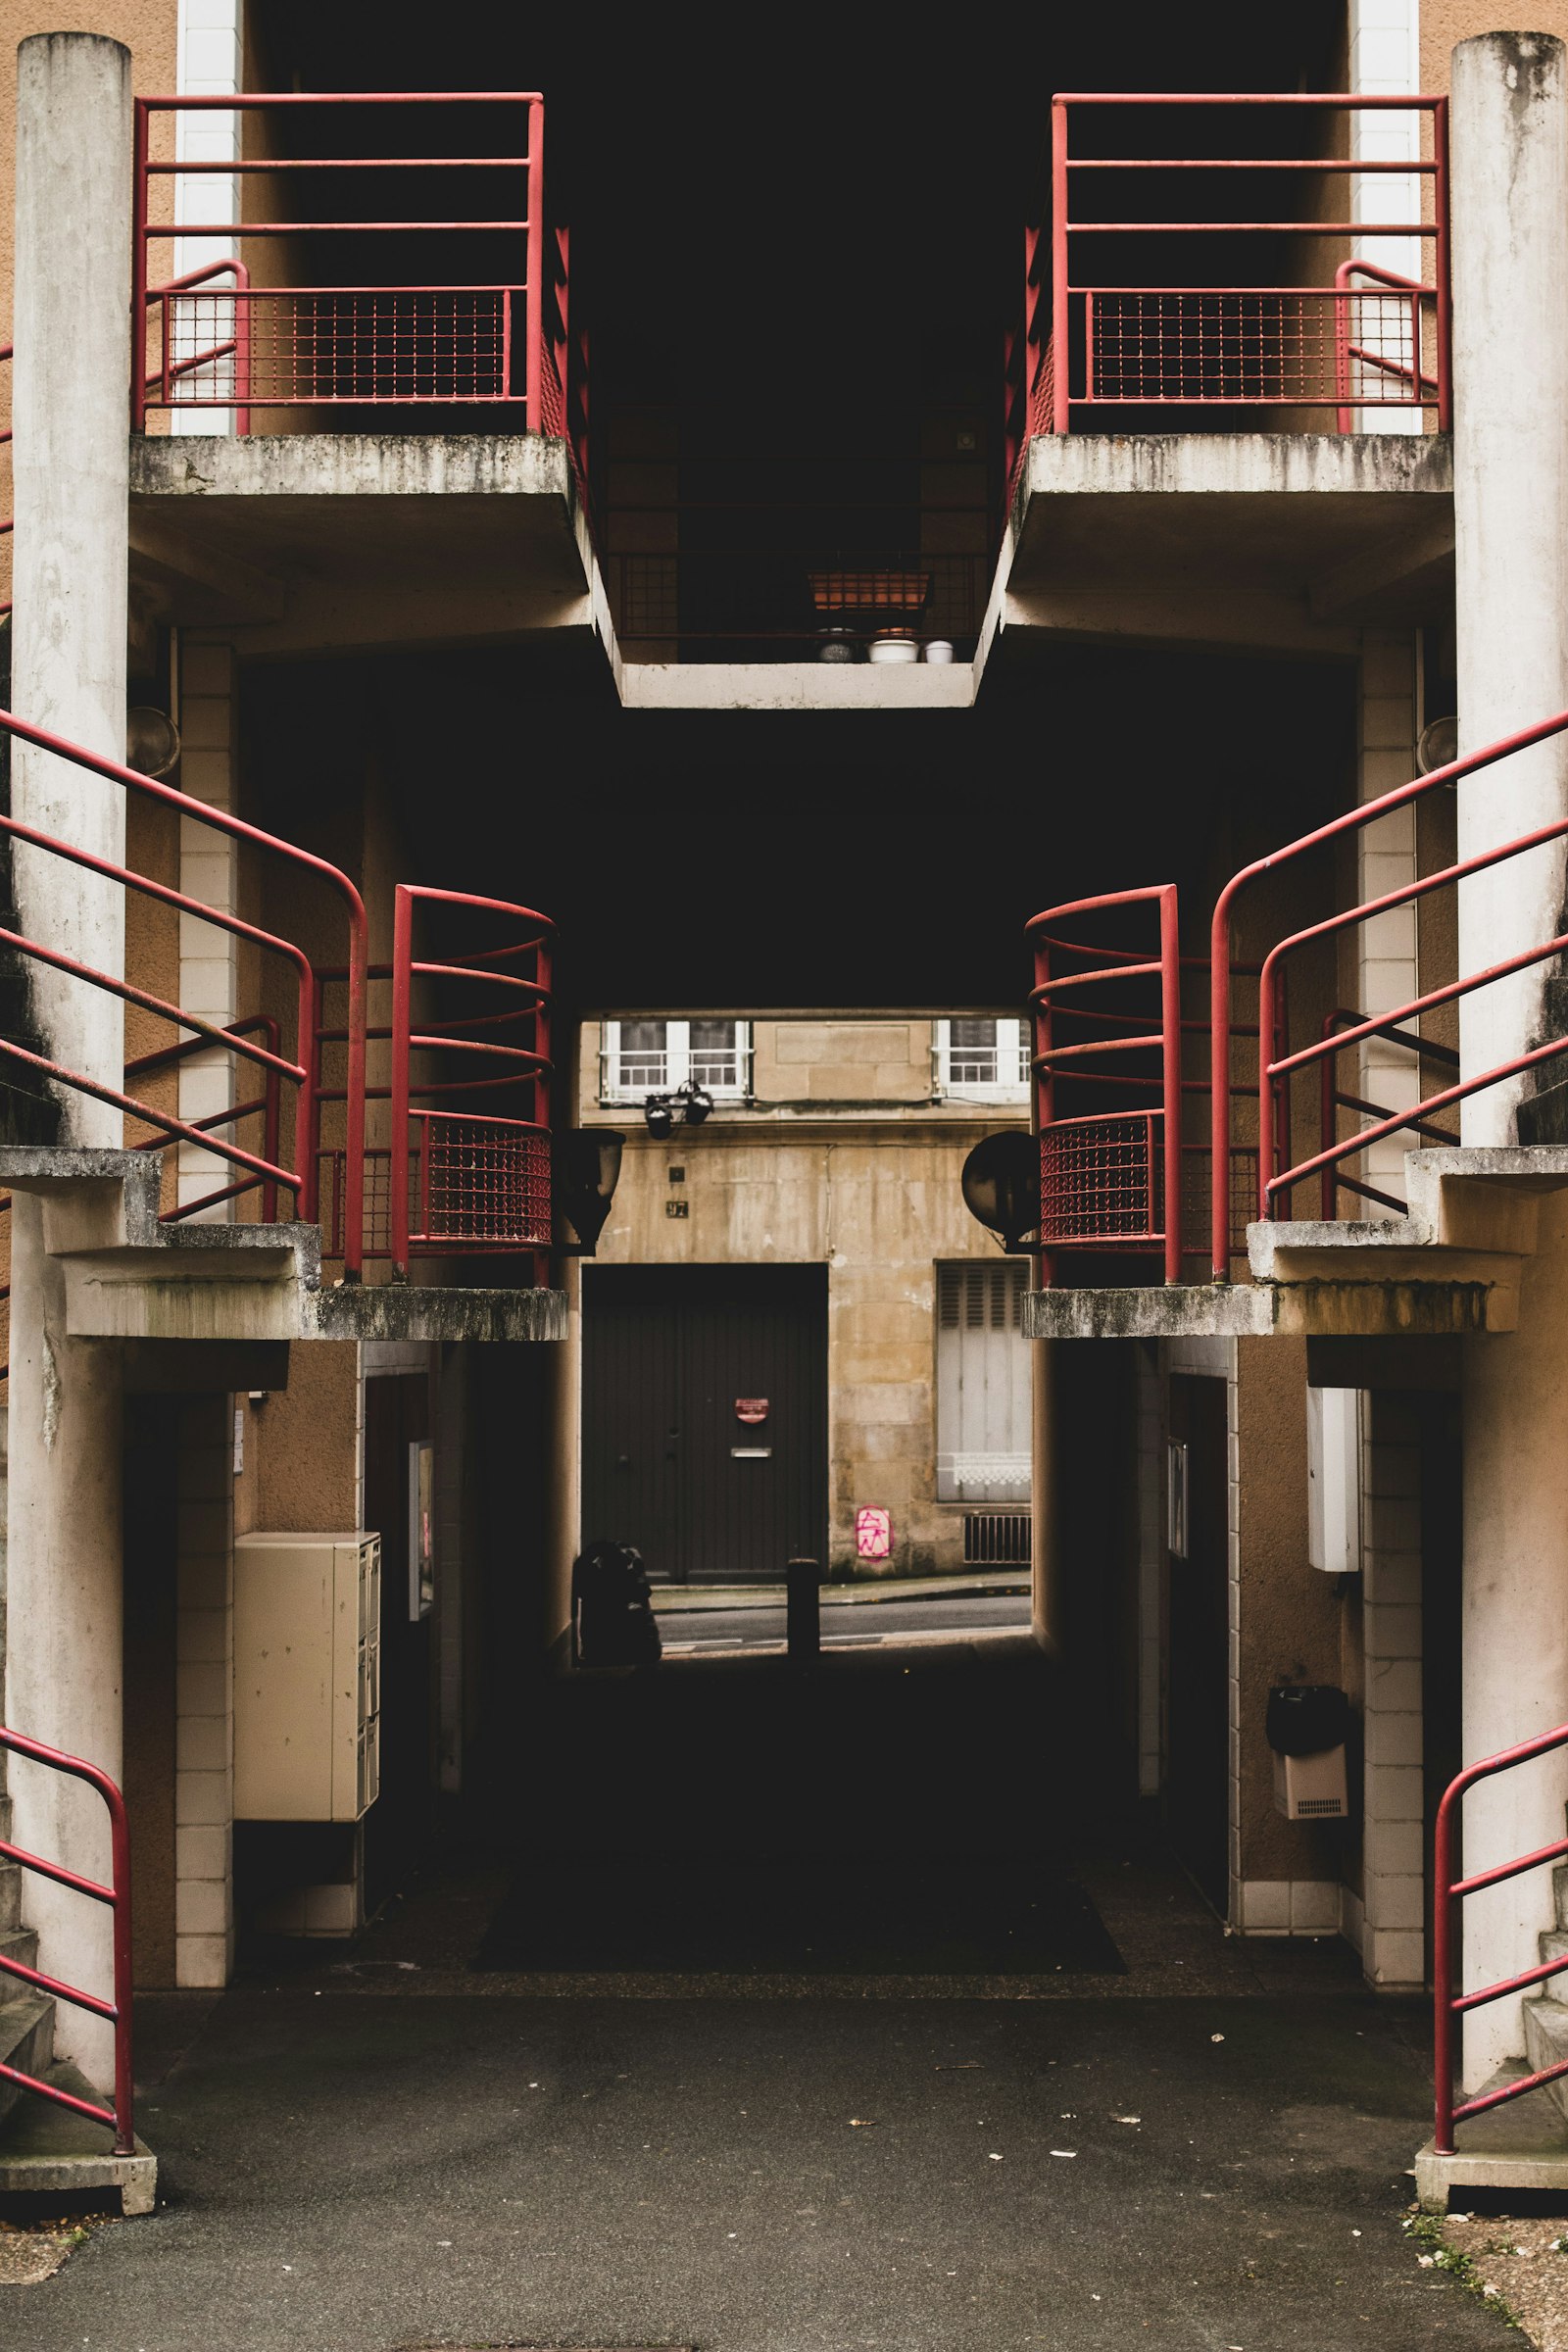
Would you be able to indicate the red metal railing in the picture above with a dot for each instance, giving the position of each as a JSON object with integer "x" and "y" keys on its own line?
{"x": 268, "y": 1170}
{"x": 1447, "y": 2004}
{"x": 1276, "y": 1182}
{"x": 456, "y": 343}
{"x": 1331, "y": 1101}
{"x": 120, "y": 2118}
{"x": 472, "y": 1179}
{"x": 458, "y": 1179}
{"x": 1108, "y": 1180}
{"x": 1341, "y": 346}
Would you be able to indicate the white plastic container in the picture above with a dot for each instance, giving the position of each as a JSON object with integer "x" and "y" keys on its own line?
{"x": 894, "y": 650}
{"x": 937, "y": 650}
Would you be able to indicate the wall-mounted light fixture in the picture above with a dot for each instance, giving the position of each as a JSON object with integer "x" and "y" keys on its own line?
{"x": 690, "y": 1103}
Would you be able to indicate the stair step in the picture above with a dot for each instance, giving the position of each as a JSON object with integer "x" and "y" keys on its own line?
{"x": 1546, "y": 2045}
{"x": 18, "y": 1943}
{"x": 27, "y": 2040}
{"x": 48, "y": 2148}
{"x": 9, "y": 1893}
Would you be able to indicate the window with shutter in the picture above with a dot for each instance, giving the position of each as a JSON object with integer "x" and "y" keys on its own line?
{"x": 982, "y": 1060}
{"x": 642, "y": 1058}
{"x": 983, "y": 1383}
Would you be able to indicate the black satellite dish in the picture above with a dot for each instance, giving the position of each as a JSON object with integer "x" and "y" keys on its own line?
{"x": 1001, "y": 1188}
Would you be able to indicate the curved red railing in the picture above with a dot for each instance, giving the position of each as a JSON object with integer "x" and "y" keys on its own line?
{"x": 1108, "y": 1180}
{"x": 237, "y": 1039}
{"x": 1447, "y": 2004}
{"x": 1275, "y": 1182}
{"x": 460, "y": 1177}
{"x": 120, "y": 2118}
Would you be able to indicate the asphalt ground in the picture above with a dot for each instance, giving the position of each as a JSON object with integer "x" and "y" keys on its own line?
{"x": 349, "y": 2174}
{"x": 451, "y": 2134}
{"x": 692, "y": 1632}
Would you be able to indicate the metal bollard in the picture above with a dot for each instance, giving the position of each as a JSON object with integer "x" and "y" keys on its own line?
{"x": 803, "y": 1584}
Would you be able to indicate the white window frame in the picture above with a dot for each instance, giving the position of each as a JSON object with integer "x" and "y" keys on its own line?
{"x": 1013, "y": 1034}
{"x": 677, "y": 1064}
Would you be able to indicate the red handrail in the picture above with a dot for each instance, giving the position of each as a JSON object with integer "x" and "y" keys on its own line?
{"x": 304, "y": 1072}
{"x": 236, "y": 346}
{"x": 121, "y": 2119}
{"x": 1331, "y": 1101}
{"x": 388, "y": 358}
{"x": 1271, "y": 1065}
{"x": 1141, "y": 366}
{"x": 486, "y": 1161}
{"x": 1446, "y": 1891}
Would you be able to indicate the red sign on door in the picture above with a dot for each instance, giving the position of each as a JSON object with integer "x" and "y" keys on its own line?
{"x": 751, "y": 1409}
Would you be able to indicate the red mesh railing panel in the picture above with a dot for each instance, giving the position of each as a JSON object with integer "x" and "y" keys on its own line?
{"x": 280, "y": 347}
{"x": 1266, "y": 346}
{"x": 480, "y": 1182}
{"x": 1099, "y": 1182}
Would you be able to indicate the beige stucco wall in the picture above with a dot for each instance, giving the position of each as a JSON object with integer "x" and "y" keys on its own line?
{"x": 819, "y": 1174}
{"x": 1447, "y": 23}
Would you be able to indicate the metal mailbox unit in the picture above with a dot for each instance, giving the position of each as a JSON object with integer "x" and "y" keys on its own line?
{"x": 307, "y": 1676}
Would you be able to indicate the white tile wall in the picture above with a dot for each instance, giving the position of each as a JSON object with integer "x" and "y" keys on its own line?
{"x": 1150, "y": 1571}
{"x": 1394, "y": 1898}
{"x": 211, "y": 64}
{"x": 203, "y": 1708}
{"x": 1386, "y": 59}
{"x": 1287, "y": 1906}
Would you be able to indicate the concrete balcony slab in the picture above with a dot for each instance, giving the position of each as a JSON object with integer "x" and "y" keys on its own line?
{"x": 315, "y": 542}
{"x": 797, "y": 686}
{"x": 1452, "y": 1264}
{"x": 129, "y": 1277}
{"x": 1271, "y": 541}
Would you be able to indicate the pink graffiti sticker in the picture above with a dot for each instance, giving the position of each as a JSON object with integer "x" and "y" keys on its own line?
{"x": 874, "y": 1534}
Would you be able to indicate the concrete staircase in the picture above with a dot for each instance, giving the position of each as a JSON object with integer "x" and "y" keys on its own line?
{"x": 26, "y": 2018}
{"x": 1546, "y": 2016}
{"x": 44, "y": 2148}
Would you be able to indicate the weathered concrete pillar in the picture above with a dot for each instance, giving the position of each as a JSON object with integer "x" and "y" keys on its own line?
{"x": 70, "y": 420}
{"x": 1510, "y": 310}
{"x": 1514, "y": 1639}
{"x": 70, "y": 451}
{"x": 1510, "y": 199}
{"x": 64, "y": 1668}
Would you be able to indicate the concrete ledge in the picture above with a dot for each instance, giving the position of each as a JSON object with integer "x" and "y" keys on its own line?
{"x": 1175, "y": 1311}
{"x": 1238, "y": 464}
{"x": 350, "y": 465}
{"x": 130, "y": 1277}
{"x": 797, "y": 686}
{"x": 1437, "y": 2176}
{"x": 45, "y": 2149}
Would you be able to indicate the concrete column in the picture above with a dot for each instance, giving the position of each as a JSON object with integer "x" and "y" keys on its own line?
{"x": 64, "y": 1668}
{"x": 1515, "y": 1633}
{"x": 70, "y": 455}
{"x": 1510, "y": 307}
{"x": 1510, "y": 197}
